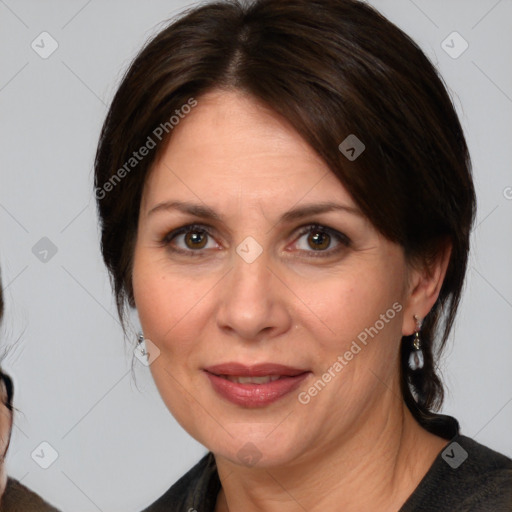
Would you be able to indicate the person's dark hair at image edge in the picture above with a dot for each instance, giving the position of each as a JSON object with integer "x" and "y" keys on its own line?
{"x": 5, "y": 380}
{"x": 16, "y": 497}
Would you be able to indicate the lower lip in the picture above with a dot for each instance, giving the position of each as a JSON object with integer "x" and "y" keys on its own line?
{"x": 255, "y": 395}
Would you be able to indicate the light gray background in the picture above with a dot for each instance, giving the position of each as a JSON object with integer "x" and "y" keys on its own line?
{"x": 119, "y": 448}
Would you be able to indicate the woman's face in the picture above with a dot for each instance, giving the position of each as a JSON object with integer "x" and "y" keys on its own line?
{"x": 321, "y": 293}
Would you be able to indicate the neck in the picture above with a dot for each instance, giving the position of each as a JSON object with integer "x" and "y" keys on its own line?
{"x": 376, "y": 468}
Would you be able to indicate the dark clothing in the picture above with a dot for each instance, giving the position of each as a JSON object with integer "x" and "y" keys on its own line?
{"x": 482, "y": 482}
{"x": 465, "y": 477}
{"x": 17, "y": 498}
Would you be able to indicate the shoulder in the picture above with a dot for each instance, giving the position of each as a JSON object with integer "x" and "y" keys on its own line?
{"x": 18, "y": 498}
{"x": 196, "y": 490}
{"x": 488, "y": 476}
{"x": 466, "y": 476}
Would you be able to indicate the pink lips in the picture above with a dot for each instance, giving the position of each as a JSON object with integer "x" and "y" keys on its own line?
{"x": 254, "y": 394}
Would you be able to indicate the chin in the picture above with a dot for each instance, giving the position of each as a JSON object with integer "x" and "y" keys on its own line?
{"x": 258, "y": 445}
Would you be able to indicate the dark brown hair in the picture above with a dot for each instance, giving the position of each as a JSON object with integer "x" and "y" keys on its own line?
{"x": 1, "y": 301}
{"x": 331, "y": 68}
{"x": 5, "y": 381}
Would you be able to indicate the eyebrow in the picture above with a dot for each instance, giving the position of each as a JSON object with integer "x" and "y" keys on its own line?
{"x": 205, "y": 212}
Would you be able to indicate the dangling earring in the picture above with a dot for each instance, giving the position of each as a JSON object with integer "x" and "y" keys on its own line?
{"x": 140, "y": 347}
{"x": 416, "y": 359}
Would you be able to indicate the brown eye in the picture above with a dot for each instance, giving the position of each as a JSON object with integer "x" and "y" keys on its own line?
{"x": 190, "y": 240}
{"x": 319, "y": 240}
{"x": 195, "y": 239}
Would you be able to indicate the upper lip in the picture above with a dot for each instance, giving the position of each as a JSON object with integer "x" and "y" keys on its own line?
{"x": 256, "y": 370}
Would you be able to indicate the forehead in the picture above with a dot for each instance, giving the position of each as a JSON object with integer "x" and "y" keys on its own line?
{"x": 229, "y": 142}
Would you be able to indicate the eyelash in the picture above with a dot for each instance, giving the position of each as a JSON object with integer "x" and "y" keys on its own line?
{"x": 343, "y": 240}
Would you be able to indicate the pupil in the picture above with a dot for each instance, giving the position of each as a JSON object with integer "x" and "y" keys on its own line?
{"x": 320, "y": 240}
{"x": 196, "y": 238}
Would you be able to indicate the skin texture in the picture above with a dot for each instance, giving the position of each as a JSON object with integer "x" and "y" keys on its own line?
{"x": 5, "y": 432}
{"x": 354, "y": 446}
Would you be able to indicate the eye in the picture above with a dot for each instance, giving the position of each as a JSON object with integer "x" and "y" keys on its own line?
{"x": 189, "y": 239}
{"x": 319, "y": 239}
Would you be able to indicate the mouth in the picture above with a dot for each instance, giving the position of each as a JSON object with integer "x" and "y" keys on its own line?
{"x": 251, "y": 380}
{"x": 254, "y": 386}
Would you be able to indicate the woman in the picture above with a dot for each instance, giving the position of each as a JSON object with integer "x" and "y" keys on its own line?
{"x": 14, "y": 496}
{"x": 285, "y": 196}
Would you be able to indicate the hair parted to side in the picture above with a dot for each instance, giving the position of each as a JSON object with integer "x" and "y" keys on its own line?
{"x": 331, "y": 68}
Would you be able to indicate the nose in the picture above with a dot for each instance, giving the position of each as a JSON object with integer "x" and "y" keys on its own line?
{"x": 254, "y": 302}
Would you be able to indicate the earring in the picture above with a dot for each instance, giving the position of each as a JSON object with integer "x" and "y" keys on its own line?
{"x": 416, "y": 359}
{"x": 140, "y": 347}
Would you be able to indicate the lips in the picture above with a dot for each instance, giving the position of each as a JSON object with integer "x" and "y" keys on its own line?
{"x": 254, "y": 386}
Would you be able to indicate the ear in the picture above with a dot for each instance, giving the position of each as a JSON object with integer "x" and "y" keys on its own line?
{"x": 425, "y": 283}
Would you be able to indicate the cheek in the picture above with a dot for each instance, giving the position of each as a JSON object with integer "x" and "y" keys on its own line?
{"x": 171, "y": 305}
{"x": 346, "y": 305}
{"x": 355, "y": 346}
{"x": 170, "y": 310}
